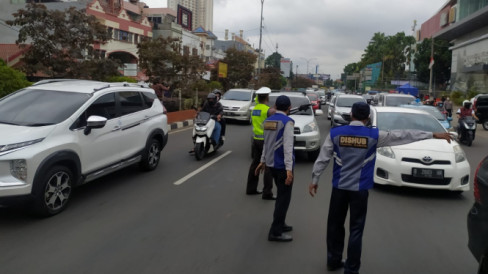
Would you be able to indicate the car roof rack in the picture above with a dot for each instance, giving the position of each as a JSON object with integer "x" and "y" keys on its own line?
{"x": 48, "y": 81}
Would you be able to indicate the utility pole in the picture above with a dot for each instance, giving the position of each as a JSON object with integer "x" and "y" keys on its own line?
{"x": 431, "y": 66}
{"x": 260, "y": 39}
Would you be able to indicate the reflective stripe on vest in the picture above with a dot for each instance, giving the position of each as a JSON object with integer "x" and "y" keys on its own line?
{"x": 258, "y": 115}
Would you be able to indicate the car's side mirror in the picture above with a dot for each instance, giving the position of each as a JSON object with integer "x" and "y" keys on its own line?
{"x": 94, "y": 121}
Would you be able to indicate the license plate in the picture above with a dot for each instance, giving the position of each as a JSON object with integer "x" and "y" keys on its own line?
{"x": 428, "y": 173}
{"x": 228, "y": 113}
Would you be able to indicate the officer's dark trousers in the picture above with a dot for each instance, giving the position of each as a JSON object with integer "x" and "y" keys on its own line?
{"x": 252, "y": 179}
{"x": 340, "y": 201}
{"x": 282, "y": 201}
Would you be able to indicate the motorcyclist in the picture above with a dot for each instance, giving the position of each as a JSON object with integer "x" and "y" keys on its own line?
{"x": 466, "y": 110}
{"x": 463, "y": 112}
{"x": 223, "y": 124}
{"x": 216, "y": 110}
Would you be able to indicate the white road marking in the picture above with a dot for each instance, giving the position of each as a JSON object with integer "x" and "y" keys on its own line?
{"x": 179, "y": 130}
{"x": 182, "y": 180}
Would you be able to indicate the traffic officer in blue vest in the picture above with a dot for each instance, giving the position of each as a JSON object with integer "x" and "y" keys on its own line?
{"x": 260, "y": 112}
{"x": 353, "y": 149}
{"x": 278, "y": 155}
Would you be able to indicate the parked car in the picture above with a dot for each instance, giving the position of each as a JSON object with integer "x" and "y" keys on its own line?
{"x": 478, "y": 217}
{"x": 431, "y": 163}
{"x": 237, "y": 104}
{"x": 322, "y": 96}
{"x": 341, "y": 110}
{"x": 58, "y": 134}
{"x": 307, "y": 133}
{"x": 441, "y": 117}
{"x": 481, "y": 109}
{"x": 394, "y": 99}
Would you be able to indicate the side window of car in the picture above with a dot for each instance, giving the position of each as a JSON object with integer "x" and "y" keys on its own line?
{"x": 130, "y": 102}
{"x": 104, "y": 106}
{"x": 148, "y": 99}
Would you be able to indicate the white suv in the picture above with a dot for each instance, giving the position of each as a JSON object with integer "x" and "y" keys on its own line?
{"x": 57, "y": 134}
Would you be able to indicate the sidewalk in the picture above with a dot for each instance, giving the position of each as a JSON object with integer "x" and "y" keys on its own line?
{"x": 180, "y": 119}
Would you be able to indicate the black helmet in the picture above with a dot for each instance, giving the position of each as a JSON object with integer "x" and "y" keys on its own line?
{"x": 211, "y": 99}
{"x": 217, "y": 91}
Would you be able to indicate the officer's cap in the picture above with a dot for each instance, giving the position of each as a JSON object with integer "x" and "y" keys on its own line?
{"x": 283, "y": 103}
{"x": 263, "y": 90}
{"x": 360, "y": 110}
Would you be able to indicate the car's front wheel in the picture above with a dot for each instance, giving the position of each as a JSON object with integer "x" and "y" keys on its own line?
{"x": 52, "y": 191}
{"x": 151, "y": 156}
{"x": 485, "y": 124}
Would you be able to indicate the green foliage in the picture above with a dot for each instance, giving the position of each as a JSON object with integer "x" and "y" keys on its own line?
{"x": 114, "y": 79}
{"x": 11, "y": 80}
{"x": 188, "y": 103}
{"x": 271, "y": 77}
{"x": 240, "y": 65}
{"x": 215, "y": 85}
{"x": 442, "y": 61}
{"x": 274, "y": 60}
{"x": 61, "y": 42}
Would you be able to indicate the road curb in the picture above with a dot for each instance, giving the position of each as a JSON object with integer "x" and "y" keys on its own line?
{"x": 182, "y": 124}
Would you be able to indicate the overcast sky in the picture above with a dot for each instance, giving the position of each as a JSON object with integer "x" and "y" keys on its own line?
{"x": 327, "y": 33}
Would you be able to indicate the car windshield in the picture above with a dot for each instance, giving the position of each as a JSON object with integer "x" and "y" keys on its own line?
{"x": 401, "y": 120}
{"x": 295, "y": 103}
{"x": 348, "y": 101}
{"x": 237, "y": 95}
{"x": 394, "y": 101}
{"x": 435, "y": 112}
{"x": 37, "y": 107}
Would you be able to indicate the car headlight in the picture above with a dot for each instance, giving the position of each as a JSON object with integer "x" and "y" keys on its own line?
{"x": 386, "y": 151}
{"x": 18, "y": 169}
{"x": 244, "y": 108}
{"x": 201, "y": 128}
{"x": 5, "y": 148}
{"x": 310, "y": 127}
{"x": 459, "y": 154}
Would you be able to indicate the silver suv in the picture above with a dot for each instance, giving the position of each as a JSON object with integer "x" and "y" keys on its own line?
{"x": 58, "y": 134}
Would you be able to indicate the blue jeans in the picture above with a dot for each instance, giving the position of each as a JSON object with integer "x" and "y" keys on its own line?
{"x": 216, "y": 132}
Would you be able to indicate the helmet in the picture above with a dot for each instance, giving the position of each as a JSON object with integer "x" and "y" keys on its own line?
{"x": 217, "y": 91}
{"x": 211, "y": 99}
{"x": 467, "y": 104}
{"x": 263, "y": 90}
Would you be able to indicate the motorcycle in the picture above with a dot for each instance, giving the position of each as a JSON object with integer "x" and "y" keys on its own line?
{"x": 466, "y": 130}
{"x": 202, "y": 132}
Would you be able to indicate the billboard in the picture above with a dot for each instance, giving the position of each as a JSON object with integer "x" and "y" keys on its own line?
{"x": 285, "y": 67}
{"x": 184, "y": 17}
{"x": 222, "y": 70}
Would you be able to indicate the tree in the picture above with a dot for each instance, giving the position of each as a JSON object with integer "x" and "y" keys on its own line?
{"x": 274, "y": 60}
{"x": 11, "y": 79}
{"x": 62, "y": 42}
{"x": 442, "y": 61}
{"x": 271, "y": 77}
{"x": 240, "y": 66}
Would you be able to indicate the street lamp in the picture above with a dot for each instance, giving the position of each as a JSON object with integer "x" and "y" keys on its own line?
{"x": 308, "y": 61}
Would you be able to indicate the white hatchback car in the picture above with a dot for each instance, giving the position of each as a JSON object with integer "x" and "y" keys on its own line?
{"x": 58, "y": 134}
{"x": 307, "y": 133}
{"x": 431, "y": 163}
{"x": 237, "y": 104}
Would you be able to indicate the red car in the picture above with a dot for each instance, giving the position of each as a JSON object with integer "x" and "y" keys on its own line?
{"x": 314, "y": 99}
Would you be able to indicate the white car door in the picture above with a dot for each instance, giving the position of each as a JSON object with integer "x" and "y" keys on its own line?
{"x": 100, "y": 147}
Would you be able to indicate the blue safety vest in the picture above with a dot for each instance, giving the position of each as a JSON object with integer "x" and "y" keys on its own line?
{"x": 354, "y": 156}
{"x": 274, "y": 127}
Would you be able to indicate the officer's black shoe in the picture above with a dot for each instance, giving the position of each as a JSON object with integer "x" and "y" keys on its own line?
{"x": 269, "y": 197}
{"x": 335, "y": 266}
{"x": 287, "y": 228}
{"x": 280, "y": 238}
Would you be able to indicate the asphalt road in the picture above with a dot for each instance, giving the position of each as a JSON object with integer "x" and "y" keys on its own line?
{"x": 133, "y": 222}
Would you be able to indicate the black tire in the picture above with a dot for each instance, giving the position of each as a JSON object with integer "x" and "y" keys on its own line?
{"x": 52, "y": 191}
{"x": 199, "y": 151}
{"x": 312, "y": 155}
{"x": 485, "y": 124}
{"x": 151, "y": 156}
{"x": 469, "y": 139}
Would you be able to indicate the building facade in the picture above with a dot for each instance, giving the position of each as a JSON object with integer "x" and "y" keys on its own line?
{"x": 464, "y": 23}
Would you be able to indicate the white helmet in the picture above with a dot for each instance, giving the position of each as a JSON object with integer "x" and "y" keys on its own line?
{"x": 467, "y": 102}
{"x": 263, "y": 90}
